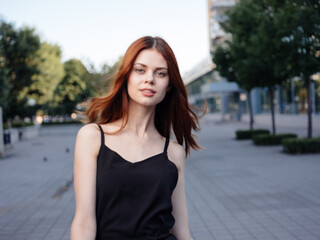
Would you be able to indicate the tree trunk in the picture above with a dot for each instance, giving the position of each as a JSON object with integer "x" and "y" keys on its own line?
{"x": 307, "y": 79}
{"x": 250, "y": 109}
{"x": 271, "y": 93}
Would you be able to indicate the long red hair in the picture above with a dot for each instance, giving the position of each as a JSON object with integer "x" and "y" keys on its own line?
{"x": 174, "y": 112}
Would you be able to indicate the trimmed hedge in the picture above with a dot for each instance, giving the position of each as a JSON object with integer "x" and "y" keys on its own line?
{"x": 247, "y": 134}
{"x": 22, "y": 124}
{"x": 301, "y": 145}
{"x": 271, "y": 139}
{"x": 17, "y": 125}
{"x": 60, "y": 123}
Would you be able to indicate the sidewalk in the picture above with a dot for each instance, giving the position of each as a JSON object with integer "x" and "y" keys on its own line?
{"x": 239, "y": 191}
{"x": 235, "y": 190}
{"x": 36, "y": 201}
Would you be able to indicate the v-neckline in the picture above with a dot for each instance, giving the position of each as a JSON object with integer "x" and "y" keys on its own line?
{"x": 144, "y": 160}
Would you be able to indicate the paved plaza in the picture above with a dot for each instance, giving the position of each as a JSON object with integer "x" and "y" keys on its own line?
{"x": 235, "y": 190}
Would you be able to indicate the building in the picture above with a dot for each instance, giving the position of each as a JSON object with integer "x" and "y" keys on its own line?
{"x": 226, "y": 98}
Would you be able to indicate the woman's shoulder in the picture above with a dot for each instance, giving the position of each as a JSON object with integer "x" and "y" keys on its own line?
{"x": 88, "y": 140}
{"x": 176, "y": 153}
{"x": 90, "y": 130}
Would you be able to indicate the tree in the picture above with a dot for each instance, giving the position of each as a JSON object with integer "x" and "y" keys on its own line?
{"x": 17, "y": 49}
{"x": 299, "y": 21}
{"x": 4, "y": 82}
{"x": 231, "y": 66}
{"x": 73, "y": 87}
{"x": 256, "y": 46}
{"x": 100, "y": 81}
{"x": 51, "y": 71}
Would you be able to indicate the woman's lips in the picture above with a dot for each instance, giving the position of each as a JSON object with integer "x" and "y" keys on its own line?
{"x": 147, "y": 92}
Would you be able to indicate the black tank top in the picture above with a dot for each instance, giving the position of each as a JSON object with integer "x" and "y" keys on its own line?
{"x": 133, "y": 200}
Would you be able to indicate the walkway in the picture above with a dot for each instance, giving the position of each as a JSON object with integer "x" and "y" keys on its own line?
{"x": 235, "y": 190}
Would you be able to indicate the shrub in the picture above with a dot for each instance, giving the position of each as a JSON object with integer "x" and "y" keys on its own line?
{"x": 247, "y": 134}
{"x": 5, "y": 126}
{"x": 60, "y": 123}
{"x": 21, "y": 124}
{"x": 271, "y": 139}
{"x": 301, "y": 145}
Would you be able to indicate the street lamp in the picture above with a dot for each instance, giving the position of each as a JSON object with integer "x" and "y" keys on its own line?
{"x": 31, "y": 104}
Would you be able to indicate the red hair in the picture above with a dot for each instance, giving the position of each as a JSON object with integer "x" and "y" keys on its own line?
{"x": 174, "y": 112}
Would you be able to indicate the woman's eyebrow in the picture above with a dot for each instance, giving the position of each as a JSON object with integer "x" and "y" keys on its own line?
{"x": 156, "y": 68}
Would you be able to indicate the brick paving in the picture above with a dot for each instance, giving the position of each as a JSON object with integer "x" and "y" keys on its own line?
{"x": 235, "y": 190}
{"x": 35, "y": 201}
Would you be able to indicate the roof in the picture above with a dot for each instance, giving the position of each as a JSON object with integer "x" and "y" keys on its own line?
{"x": 203, "y": 67}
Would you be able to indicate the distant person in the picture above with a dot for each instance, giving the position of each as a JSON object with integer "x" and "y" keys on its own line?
{"x": 128, "y": 175}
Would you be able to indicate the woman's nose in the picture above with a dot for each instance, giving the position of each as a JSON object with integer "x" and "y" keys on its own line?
{"x": 150, "y": 77}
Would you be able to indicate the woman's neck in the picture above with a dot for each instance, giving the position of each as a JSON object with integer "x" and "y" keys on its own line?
{"x": 141, "y": 120}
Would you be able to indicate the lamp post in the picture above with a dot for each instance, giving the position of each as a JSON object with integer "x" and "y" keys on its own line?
{"x": 31, "y": 104}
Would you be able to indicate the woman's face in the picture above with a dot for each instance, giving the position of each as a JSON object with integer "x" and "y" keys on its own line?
{"x": 149, "y": 80}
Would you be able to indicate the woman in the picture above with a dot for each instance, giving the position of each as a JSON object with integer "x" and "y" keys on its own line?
{"x": 128, "y": 176}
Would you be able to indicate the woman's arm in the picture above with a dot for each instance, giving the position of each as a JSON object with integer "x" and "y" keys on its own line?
{"x": 180, "y": 211}
{"x": 85, "y": 163}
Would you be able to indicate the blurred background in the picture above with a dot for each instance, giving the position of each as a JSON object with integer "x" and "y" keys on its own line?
{"x": 256, "y": 64}
{"x": 54, "y": 55}
{"x": 250, "y": 60}
{"x": 253, "y": 59}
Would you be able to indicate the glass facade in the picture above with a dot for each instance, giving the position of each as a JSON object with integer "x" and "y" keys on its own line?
{"x": 289, "y": 98}
{"x": 195, "y": 86}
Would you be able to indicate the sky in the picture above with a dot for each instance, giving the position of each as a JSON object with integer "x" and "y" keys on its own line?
{"x": 100, "y": 31}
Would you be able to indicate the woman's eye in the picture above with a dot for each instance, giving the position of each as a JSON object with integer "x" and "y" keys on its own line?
{"x": 139, "y": 70}
{"x": 161, "y": 74}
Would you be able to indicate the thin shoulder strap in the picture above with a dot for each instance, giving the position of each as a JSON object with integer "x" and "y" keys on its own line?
{"x": 102, "y": 134}
{"x": 166, "y": 145}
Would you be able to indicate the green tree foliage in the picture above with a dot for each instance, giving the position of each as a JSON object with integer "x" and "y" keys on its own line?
{"x": 4, "y": 82}
{"x": 17, "y": 50}
{"x": 51, "y": 71}
{"x": 256, "y": 39}
{"x": 73, "y": 87}
{"x": 97, "y": 82}
{"x": 100, "y": 81}
{"x": 237, "y": 59}
{"x": 229, "y": 65}
{"x": 299, "y": 24}
{"x": 271, "y": 41}
{"x": 30, "y": 69}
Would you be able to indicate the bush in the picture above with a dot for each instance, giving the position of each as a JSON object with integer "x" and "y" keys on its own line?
{"x": 60, "y": 123}
{"x": 247, "y": 134}
{"x": 301, "y": 145}
{"x": 271, "y": 139}
{"x": 21, "y": 124}
{"x": 5, "y": 126}
{"x": 17, "y": 125}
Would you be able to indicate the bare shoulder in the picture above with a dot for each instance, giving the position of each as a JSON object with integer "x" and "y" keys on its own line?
{"x": 89, "y": 137}
{"x": 177, "y": 154}
{"x": 89, "y": 131}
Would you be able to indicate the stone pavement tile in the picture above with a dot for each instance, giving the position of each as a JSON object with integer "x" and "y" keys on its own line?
{"x": 205, "y": 234}
{"x": 66, "y": 236}
{"x": 36, "y": 236}
{"x": 235, "y": 190}
{"x": 256, "y": 186}
{"x": 28, "y": 208}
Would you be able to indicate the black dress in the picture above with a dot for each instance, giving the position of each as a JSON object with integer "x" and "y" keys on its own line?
{"x": 133, "y": 200}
